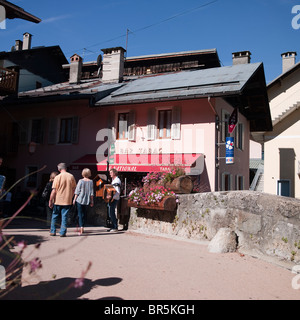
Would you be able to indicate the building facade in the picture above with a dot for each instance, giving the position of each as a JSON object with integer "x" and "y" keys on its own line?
{"x": 139, "y": 124}
{"x": 282, "y": 146}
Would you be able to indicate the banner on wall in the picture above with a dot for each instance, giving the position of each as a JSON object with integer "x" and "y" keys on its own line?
{"x": 233, "y": 120}
{"x": 229, "y": 150}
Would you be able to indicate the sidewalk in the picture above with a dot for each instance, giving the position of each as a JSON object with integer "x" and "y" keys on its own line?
{"x": 133, "y": 266}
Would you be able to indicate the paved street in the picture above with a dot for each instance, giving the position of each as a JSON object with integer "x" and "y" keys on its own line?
{"x": 133, "y": 266}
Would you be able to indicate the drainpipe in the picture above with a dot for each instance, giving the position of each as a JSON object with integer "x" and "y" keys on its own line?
{"x": 217, "y": 148}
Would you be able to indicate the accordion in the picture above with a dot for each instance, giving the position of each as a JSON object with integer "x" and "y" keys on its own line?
{"x": 108, "y": 193}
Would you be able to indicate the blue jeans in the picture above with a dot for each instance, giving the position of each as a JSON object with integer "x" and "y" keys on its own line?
{"x": 57, "y": 211}
{"x": 81, "y": 210}
{"x": 112, "y": 213}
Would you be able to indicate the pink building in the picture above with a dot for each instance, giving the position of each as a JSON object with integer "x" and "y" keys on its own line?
{"x": 149, "y": 122}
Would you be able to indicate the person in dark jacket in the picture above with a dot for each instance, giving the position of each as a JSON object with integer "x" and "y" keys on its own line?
{"x": 46, "y": 196}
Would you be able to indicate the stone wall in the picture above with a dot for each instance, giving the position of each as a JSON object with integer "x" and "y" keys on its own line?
{"x": 264, "y": 224}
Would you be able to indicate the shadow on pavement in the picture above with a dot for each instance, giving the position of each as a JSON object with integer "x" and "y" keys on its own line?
{"x": 60, "y": 289}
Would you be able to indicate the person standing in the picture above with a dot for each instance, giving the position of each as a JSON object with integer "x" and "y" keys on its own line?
{"x": 61, "y": 197}
{"x": 112, "y": 204}
{"x": 46, "y": 196}
{"x": 84, "y": 197}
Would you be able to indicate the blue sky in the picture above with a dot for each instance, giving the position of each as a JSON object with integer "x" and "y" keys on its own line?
{"x": 263, "y": 27}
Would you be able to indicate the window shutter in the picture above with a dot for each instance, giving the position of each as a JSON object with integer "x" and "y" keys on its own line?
{"x": 75, "y": 130}
{"x": 151, "y": 127}
{"x": 132, "y": 126}
{"x": 24, "y": 132}
{"x": 176, "y": 123}
{"x": 52, "y": 131}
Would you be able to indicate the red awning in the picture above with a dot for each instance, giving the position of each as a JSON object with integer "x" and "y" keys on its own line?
{"x": 87, "y": 161}
{"x": 154, "y": 162}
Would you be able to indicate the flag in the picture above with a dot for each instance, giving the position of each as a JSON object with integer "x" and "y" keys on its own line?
{"x": 232, "y": 122}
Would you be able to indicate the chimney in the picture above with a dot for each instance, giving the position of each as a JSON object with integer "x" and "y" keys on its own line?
{"x": 241, "y": 57}
{"x": 288, "y": 60}
{"x": 18, "y": 45}
{"x": 113, "y": 64}
{"x": 75, "y": 69}
{"x": 27, "y": 41}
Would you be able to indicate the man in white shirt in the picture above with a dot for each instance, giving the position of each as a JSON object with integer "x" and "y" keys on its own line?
{"x": 116, "y": 183}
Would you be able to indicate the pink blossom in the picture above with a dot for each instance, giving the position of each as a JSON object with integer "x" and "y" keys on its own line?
{"x": 79, "y": 283}
{"x": 22, "y": 244}
{"x": 35, "y": 264}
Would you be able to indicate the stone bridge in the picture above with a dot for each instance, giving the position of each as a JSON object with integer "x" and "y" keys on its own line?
{"x": 263, "y": 223}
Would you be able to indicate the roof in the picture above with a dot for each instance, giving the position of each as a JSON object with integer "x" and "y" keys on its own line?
{"x": 13, "y": 12}
{"x": 242, "y": 85}
{"x": 43, "y": 61}
{"x": 255, "y": 163}
{"x": 285, "y": 114}
{"x": 171, "y": 62}
{"x": 163, "y": 55}
{"x": 92, "y": 90}
{"x": 187, "y": 84}
{"x": 284, "y": 75}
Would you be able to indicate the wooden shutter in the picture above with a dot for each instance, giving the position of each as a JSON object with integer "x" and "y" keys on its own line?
{"x": 132, "y": 126}
{"x": 176, "y": 123}
{"x": 151, "y": 127}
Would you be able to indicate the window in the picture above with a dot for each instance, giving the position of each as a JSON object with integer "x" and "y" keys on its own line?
{"x": 225, "y": 119}
{"x": 123, "y": 124}
{"x": 239, "y": 183}
{"x": 164, "y": 124}
{"x": 284, "y": 188}
{"x": 65, "y": 135}
{"x": 226, "y": 182}
{"x": 37, "y": 131}
{"x": 239, "y": 136}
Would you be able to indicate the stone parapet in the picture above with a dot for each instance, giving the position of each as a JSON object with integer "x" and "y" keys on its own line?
{"x": 264, "y": 224}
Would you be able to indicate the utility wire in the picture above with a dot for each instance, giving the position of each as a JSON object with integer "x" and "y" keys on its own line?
{"x": 153, "y": 24}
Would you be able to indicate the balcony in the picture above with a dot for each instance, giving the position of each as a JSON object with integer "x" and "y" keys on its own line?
{"x": 8, "y": 81}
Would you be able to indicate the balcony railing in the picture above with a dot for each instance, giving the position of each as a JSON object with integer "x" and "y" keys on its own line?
{"x": 8, "y": 81}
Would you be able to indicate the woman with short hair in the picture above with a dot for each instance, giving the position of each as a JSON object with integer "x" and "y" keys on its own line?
{"x": 84, "y": 197}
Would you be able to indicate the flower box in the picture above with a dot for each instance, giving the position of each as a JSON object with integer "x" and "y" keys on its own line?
{"x": 180, "y": 185}
{"x": 167, "y": 204}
